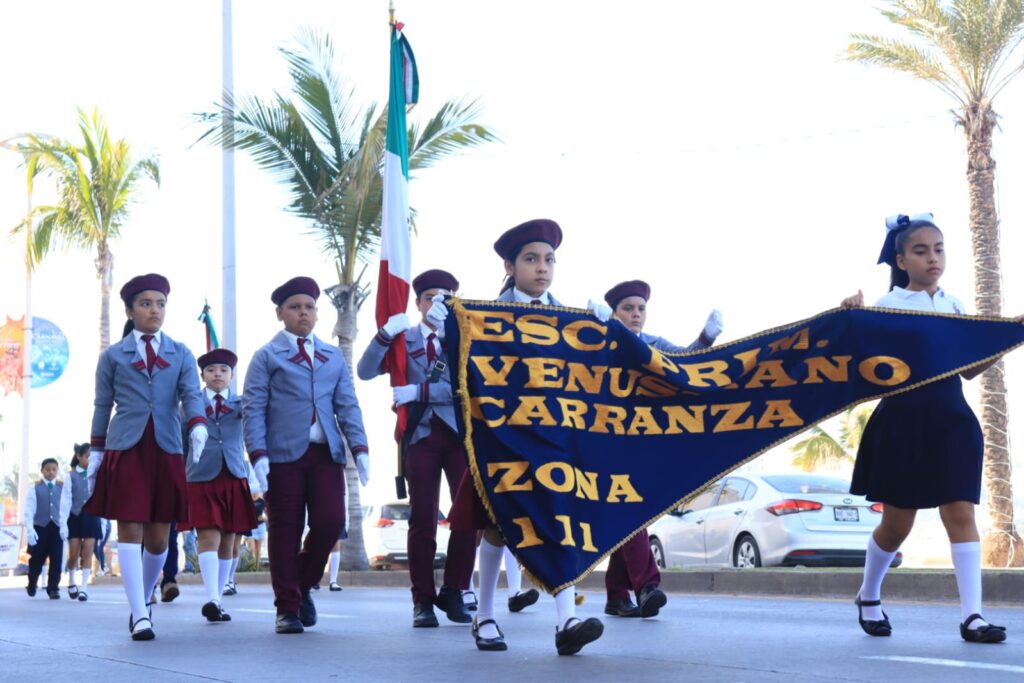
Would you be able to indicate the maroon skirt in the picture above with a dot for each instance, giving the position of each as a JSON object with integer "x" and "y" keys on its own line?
{"x": 468, "y": 512}
{"x": 224, "y": 503}
{"x": 141, "y": 484}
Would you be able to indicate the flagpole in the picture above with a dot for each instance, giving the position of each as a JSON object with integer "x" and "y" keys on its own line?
{"x": 228, "y": 305}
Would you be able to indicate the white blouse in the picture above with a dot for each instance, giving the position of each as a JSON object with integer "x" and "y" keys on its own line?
{"x": 921, "y": 301}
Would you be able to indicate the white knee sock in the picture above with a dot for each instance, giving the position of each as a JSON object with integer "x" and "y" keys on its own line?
{"x": 876, "y": 564}
{"x": 71, "y": 578}
{"x": 209, "y": 568}
{"x": 490, "y": 566}
{"x": 334, "y": 564}
{"x": 152, "y": 565}
{"x": 513, "y": 575}
{"x": 129, "y": 556}
{"x": 565, "y": 604}
{"x": 967, "y": 566}
{"x": 86, "y": 573}
{"x": 234, "y": 566}
{"x": 223, "y": 574}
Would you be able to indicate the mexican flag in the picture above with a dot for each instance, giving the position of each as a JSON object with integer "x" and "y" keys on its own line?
{"x": 394, "y": 278}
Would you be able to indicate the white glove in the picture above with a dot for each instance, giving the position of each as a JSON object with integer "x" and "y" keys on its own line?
{"x": 396, "y": 325}
{"x": 405, "y": 394}
{"x": 261, "y": 469}
{"x": 197, "y": 441}
{"x": 31, "y": 536}
{"x": 63, "y": 532}
{"x": 363, "y": 467}
{"x": 600, "y": 311}
{"x": 437, "y": 313}
{"x": 713, "y": 327}
{"x": 95, "y": 458}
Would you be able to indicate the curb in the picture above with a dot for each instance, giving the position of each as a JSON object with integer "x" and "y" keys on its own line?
{"x": 1003, "y": 587}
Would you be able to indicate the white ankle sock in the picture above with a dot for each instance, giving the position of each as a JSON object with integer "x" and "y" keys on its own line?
{"x": 468, "y": 597}
{"x": 86, "y": 573}
{"x": 490, "y": 565}
{"x": 967, "y": 566}
{"x": 129, "y": 556}
{"x": 209, "y": 569}
{"x": 223, "y": 572}
{"x": 152, "y": 565}
{"x": 565, "y": 605}
{"x": 513, "y": 575}
{"x": 876, "y": 564}
{"x": 234, "y": 566}
{"x": 335, "y": 562}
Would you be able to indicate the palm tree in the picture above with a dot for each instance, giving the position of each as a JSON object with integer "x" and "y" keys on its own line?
{"x": 96, "y": 184}
{"x": 964, "y": 49}
{"x": 821, "y": 449}
{"x": 330, "y": 154}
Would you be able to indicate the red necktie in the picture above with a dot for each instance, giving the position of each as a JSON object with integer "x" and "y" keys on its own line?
{"x": 150, "y": 353}
{"x": 431, "y": 349}
{"x": 302, "y": 351}
{"x": 220, "y": 405}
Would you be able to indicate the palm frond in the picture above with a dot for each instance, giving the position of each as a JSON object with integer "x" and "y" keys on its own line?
{"x": 902, "y": 56}
{"x": 452, "y": 130}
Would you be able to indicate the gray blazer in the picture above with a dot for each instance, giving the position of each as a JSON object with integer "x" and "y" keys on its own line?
{"x": 437, "y": 395}
{"x": 121, "y": 378}
{"x": 280, "y": 393}
{"x": 224, "y": 447}
{"x": 663, "y": 344}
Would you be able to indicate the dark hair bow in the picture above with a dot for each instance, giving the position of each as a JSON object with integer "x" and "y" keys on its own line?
{"x": 897, "y": 224}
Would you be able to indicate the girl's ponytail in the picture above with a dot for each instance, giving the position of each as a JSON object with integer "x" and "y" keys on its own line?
{"x": 129, "y": 325}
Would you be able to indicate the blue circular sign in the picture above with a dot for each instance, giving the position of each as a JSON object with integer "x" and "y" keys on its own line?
{"x": 49, "y": 352}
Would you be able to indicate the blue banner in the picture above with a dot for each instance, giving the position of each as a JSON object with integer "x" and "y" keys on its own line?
{"x": 580, "y": 435}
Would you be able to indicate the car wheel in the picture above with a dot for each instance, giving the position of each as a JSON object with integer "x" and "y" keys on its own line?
{"x": 746, "y": 553}
{"x": 659, "y": 553}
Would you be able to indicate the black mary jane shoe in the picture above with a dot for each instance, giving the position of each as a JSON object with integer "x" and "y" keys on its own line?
{"x": 489, "y": 644}
{"x": 989, "y": 633}
{"x": 423, "y": 615}
{"x": 307, "y": 610}
{"x": 213, "y": 612}
{"x": 450, "y": 600}
{"x": 142, "y": 629}
{"x": 334, "y": 587}
{"x": 522, "y": 600}
{"x": 473, "y": 604}
{"x": 288, "y": 623}
{"x": 650, "y": 601}
{"x": 82, "y": 596}
{"x": 73, "y": 592}
{"x": 621, "y": 608}
{"x": 571, "y": 639}
{"x": 881, "y": 628}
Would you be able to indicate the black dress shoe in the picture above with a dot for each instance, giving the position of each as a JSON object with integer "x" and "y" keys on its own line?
{"x": 143, "y": 630}
{"x": 571, "y": 639}
{"x": 881, "y": 628}
{"x": 288, "y": 623}
{"x": 989, "y": 633}
{"x": 335, "y": 587}
{"x": 423, "y": 615}
{"x": 472, "y": 605}
{"x": 621, "y": 608}
{"x": 450, "y": 600}
{"x": 73, "y": 592}
{"x": 496, "y": 644}
{"x": 522, "y": 600}
{"x": 83, "y": 596}
{"x": 53, "y": 593}
{"x": 31, "y": 590}
{"x": 651, "y": 599}
{"x": 307, "y": 610}
{"x": 212, "y": 611}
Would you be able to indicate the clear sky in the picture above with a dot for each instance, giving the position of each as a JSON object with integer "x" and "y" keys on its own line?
{"x": 721, "y": 151}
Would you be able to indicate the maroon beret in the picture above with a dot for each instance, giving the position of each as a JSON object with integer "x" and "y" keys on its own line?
{"x": 141, "y": 283}
{"x": 297, "y": 285}
{"x": 627, "y": 289}
{"x": 218, "y": 356}
{"x": 431, "y": 279}
{"x": 537, "y": 230}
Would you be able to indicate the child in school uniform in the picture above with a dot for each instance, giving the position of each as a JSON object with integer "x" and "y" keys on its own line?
{"x": 79, "y": 528}
{"x": 923, "y": 448}
{"x": 632, "y": 566}
{"x": 42, "y": 525}
{"x": 528, "y": 252}
{"x": 298, "y": 403}
{"x": 136, "y": 469}
{"x": 219, "y": 501}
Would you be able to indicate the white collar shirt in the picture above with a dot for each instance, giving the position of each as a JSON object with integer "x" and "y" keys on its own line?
{"x": 911, "y": 300}
{"x": 524, "y": 298}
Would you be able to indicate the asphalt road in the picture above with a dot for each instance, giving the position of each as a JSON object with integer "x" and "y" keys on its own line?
{"x": 365, "y": 634}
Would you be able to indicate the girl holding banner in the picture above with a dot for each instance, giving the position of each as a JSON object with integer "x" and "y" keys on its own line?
{"x": 922, "y": 449}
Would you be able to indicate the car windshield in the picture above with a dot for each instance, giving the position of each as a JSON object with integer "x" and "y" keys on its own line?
{"x": 808, "y": 483}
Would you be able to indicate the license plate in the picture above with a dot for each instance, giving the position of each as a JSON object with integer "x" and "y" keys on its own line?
{"x": 847, "y": 514}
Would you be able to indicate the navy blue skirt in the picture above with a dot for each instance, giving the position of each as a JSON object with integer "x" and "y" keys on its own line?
{"x": 921, "y": 449}
{"x": 84, "y": 526}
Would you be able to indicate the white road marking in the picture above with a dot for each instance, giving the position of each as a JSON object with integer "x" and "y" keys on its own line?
{"x": 954, "y": 663}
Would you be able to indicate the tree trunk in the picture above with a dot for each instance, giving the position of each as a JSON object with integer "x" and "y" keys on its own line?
{"x": 353, "y": 551}
{"x": 1002, "y": 545}
{"x": 105, "y": 273}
